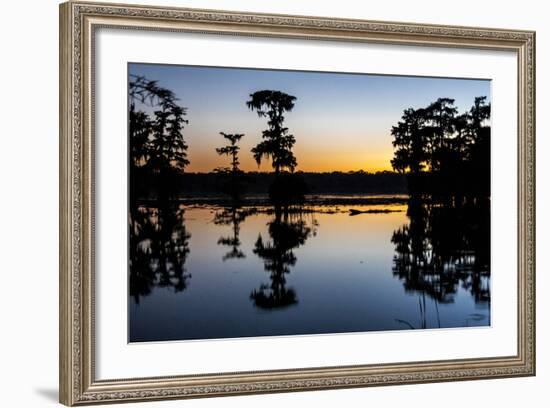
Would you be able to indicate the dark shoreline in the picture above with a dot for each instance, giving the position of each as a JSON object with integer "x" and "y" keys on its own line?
{"x": 311, "y": 200}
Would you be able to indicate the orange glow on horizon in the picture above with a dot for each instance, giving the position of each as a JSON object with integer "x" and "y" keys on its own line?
{"x": 313, "y": 165}
{"x": 366, "y": 154}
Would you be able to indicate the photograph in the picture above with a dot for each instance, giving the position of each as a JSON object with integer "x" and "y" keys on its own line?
{"x": 262, "y": 202}
{"x": 268, "y": 202}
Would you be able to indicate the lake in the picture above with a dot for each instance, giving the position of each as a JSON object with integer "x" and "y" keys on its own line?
{"x": 205, "y": 271}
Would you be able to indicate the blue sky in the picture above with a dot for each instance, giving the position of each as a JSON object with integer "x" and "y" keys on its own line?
{"x": 340, "y": 121}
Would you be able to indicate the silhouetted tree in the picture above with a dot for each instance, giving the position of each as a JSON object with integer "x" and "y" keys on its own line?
{"x": 158, "y": 238}
{"x": 232, "y": 150}
{"x": 461, "y": 139}
{"x": 443, "y": 153}
{"x": 410, "y": 142}
{"x": 479, "y": 114}
{"x": 140, "y": 129}
{"x": 440, "y": 117}
{"x": 168, "y": 148}
{"x": 146, "y": 92}
{"x": 479, "y": 147}
{"x": 277, "y": 143}
{"x": 156, "y": 141}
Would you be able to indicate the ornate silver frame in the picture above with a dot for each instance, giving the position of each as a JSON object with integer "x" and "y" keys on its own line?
{"x": 78, "y": 22}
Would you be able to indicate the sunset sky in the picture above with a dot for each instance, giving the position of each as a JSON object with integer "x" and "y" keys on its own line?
{"x": 341, "y": 122}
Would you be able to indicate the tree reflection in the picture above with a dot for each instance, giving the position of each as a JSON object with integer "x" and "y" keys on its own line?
{"x": 444, "y": 245}
{"x": 232, "y": 216}
{"x": 288, "y": 231}
{"x": 159, "y": 245}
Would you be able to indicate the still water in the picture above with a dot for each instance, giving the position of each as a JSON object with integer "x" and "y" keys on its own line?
{"x": 206, "y": 271}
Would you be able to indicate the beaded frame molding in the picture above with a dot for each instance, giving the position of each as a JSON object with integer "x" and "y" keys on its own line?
{"x": 78, "y": 22}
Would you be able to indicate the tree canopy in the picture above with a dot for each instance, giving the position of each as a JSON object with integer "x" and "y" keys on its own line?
{"x": 277, "y": 143}
{"x": 439, "y": 141}
{"x": 156, "y": 139}
{"x": 232, "y": 149}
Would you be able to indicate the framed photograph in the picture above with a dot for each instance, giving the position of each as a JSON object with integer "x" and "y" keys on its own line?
{"x": 256, "y": 203}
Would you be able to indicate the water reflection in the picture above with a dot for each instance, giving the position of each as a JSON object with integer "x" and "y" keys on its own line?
{"x": 262, "y": 270}
{"x": 159, "y": 246}
{"x": 287, "y": 231}
{"x": 444, "y": 246}
{"x": 233, "y": 216}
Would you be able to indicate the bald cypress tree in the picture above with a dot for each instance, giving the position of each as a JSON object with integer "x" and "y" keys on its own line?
{"x": 232, "y": 150}
{"x": 157, "y": 145}
{"x": 277, "y": 143}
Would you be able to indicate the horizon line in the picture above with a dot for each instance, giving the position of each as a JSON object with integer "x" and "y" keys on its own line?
{"x": 297, "y": 172}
